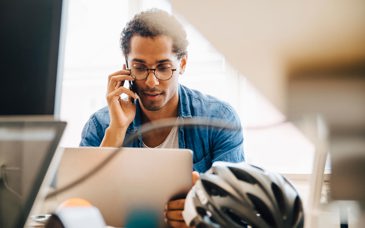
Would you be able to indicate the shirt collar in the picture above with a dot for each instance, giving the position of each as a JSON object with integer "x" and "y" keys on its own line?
{"x": 184, "y": 103}
{"x": 183, "y": 109}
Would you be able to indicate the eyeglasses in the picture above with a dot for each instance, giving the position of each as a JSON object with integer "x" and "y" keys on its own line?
{"x": 161, "y": 72}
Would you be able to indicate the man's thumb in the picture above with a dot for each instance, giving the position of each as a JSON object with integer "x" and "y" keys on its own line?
{"x": 195, "y": 176}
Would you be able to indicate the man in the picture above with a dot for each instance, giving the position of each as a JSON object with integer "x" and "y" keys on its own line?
{"x": 154, "y": 45}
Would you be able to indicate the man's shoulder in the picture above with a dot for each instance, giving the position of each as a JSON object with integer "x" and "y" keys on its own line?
{"x": 102, "y": 115}
{"x": 202, "y": 103}
{"x": 193, "y": 94}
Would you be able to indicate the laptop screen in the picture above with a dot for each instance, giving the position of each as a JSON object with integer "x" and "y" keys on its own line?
{"x": 26, "y": 150}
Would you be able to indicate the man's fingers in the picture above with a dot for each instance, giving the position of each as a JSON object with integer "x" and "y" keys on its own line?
{"x": 173, "y": 223}
{"x": 195, "y": 176}
{"x": 115, "y": 94}
{"x": 175, "y": 204}
{"x": 114, "y": 80}
{"x": 120, "y": 72}
{"x": 174, "y": 215}
{"x": 130, "y": 93}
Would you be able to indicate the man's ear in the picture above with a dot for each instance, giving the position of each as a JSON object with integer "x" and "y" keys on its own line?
{"x": 183, "y": 61}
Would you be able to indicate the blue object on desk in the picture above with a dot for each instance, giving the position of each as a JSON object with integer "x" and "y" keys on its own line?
{"x": 142, "y": 218}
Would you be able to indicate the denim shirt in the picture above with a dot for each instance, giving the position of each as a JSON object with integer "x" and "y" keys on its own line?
{"x": 207, "y": 143}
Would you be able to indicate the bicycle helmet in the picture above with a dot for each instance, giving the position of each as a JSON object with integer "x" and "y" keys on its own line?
{"x": 238, "y": 195}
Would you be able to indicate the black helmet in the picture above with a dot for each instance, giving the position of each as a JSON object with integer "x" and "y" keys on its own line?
{"x": 239, "y": 194}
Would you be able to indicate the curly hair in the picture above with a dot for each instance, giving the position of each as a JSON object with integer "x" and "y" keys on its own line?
{"x": 152, "y": 23}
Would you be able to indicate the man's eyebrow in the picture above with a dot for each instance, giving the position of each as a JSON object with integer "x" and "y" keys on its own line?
{"x": 138, "y": 60}
{"x": 162, "y": 61}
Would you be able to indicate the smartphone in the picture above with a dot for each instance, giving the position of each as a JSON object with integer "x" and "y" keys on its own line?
{"x": 131, "y": 84}
{"x": 132, "y": 87}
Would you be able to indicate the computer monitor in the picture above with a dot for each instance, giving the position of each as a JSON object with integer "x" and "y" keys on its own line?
{"x": 30, "y": 57}
{"x": 27, "y": 148}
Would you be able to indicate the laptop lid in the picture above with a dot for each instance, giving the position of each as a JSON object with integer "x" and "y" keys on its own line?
{"x": 135, "y": 180}
{"x": 27, "y": 147}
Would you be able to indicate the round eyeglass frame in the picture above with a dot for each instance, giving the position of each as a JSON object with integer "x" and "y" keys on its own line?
{"x": 154, "y": 73}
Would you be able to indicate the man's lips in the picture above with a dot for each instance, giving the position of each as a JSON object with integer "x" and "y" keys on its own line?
{"x": 152, "y": 94}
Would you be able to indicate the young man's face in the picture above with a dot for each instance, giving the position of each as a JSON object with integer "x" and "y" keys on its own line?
{"x": 153, "y": 53}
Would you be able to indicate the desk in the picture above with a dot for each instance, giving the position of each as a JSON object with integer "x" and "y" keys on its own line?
{"x": 328, "y": 215}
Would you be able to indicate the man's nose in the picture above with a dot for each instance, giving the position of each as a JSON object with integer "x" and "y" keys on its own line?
{"x": 151, "y": 80}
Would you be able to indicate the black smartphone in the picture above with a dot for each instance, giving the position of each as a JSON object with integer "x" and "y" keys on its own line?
{"x": 132, "y": 87}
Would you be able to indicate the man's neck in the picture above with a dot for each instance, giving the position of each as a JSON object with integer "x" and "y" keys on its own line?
{"x": 157, "y": 136}
{"x": 166, "y": 112}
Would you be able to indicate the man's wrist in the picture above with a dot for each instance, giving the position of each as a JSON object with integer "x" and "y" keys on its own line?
{"x": 114, "y": 137}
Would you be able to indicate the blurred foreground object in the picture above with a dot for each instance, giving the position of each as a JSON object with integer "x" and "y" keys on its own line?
{"x": 306, "y": 58}
{"x": 74, "y": 213}
{"x": 275, "y": 43}
{"x": 236, "y": 195}
{"x": 348, "y": 181}
{"x": 28, "y": 152}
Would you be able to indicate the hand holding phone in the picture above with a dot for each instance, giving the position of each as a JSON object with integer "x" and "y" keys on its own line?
{"x": 121, "y": 111}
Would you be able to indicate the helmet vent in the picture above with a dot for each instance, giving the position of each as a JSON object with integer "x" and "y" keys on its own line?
{"x": 297, "y": 213}
{"x": 234, "y": 217}
{"x": 279, "y": 199}
{"x": 243, "y": 175}
{"x": 206, "y": 215}
{"x": 201, "y": 211}
{"x": 202, "y": 225}
{"x": 213, "y": 189}
{"x": 262, "y": 210}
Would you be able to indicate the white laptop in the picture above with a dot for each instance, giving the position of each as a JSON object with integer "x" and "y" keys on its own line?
{"x": 135, "y": 180}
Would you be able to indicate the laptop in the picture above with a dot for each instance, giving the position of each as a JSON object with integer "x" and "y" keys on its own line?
{"x": 135, "y": 181}
{"x": 27, "y": 148}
